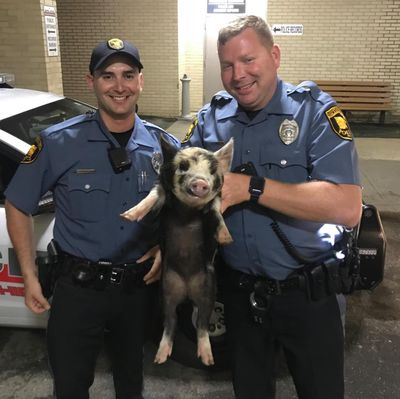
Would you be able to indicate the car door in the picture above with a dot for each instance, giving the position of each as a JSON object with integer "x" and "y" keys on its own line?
{"x": 13, "y": 311}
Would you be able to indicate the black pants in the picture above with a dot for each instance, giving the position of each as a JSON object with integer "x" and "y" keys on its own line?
{"x": 75, "y": 334}
{"x": 310, "y": 334}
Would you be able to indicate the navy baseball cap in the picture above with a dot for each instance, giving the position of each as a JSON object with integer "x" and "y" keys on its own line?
{"x": 105, "y": 50}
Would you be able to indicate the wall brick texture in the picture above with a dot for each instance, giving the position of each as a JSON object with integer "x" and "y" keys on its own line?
{"x": 23, "y": 45}
{"x": 343, "y": 40}
{"x": 151, "y": 25}
{"x": 347, "y": 40}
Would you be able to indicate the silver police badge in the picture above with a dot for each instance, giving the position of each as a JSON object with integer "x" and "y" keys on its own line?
{"x": 156, "y": 161}
{"x": 288, "y": 131}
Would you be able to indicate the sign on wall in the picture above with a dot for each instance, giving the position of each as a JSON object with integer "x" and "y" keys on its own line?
{"x": 226, "y": 6}
{"x": 50, "y": 22}
{"x": 287, "y": 29}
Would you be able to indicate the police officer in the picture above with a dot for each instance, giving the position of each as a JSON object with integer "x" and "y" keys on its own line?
{"x": 97, "y": 166}
{"x": 296, "y": 184}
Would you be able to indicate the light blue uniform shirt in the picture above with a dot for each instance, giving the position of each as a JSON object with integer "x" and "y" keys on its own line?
{"x": 89, "y": 196}
{"x": 322, "y": 150}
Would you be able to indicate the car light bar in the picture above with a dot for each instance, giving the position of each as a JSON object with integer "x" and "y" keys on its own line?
{"x": 7, "y": 78}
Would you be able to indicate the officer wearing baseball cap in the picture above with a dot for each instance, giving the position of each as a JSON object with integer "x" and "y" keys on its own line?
{"x": 106, "y": 264}
{"x": 104, "y": 50}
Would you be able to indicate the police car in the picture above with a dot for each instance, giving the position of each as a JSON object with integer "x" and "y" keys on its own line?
{"x": 23, "y": 114}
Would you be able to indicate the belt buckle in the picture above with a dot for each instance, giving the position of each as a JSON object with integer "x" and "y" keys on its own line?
{"x": 116, "y": 275}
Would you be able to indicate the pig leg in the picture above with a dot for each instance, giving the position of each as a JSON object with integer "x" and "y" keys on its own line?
{"x": 223, "y": 236}
{"x": 202, "y": 292}
{"x": 154, "y": 200}
{"x": 174, "y": 292}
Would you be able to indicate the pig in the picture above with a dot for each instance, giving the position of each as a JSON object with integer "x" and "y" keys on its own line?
{"x": 188, "y": 199}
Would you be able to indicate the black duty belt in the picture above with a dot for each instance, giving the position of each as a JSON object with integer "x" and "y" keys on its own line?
{"x": 249, "y": 283}
{"x": 102, "y": 274}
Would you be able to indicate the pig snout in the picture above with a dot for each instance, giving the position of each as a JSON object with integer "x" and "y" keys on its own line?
{"x": 199, "y": 188}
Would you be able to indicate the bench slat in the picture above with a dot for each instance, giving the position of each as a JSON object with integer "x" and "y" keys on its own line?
{"x": 341, "y": 99}
{"x": 352, "y": 83}
{"x": 362, "y": 89}
{"x": 358, "y": 94}
{"x": 364, "y": 107}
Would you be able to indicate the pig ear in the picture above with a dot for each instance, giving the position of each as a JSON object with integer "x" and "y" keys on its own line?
{"x": 168, "y": 150}
{"x": 225, "y": 155}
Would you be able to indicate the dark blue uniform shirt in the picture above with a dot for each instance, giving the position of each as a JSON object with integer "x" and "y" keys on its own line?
{"x": 300, "y": 136}
{"x": 89, "y": 196}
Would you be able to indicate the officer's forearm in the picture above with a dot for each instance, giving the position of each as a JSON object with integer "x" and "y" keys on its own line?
{"x": 20, "y": 230}
{"x": 318, "y": 201}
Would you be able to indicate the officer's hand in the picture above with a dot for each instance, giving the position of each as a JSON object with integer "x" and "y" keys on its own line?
{"x": 155, "y": 272}
{"x": 34, "y": 298}
{"x": 235, "y": 190}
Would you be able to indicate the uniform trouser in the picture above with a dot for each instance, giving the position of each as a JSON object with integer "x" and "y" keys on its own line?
{"x": 75, "y": 335}
{"x": 310, "y": 334}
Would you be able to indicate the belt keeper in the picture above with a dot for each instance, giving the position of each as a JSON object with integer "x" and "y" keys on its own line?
{"x": 116, "y": 275}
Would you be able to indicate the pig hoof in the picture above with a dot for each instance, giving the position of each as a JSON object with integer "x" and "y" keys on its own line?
{"x": 135, "y": 213}
{"x": 224, "y": 236}
{"x": 206, "y": 357}
{"x": 162, "y": 354}
{"x": 204, "y": 351}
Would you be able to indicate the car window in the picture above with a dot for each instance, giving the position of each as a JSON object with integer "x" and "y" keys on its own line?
{"x": 27, "y": 125}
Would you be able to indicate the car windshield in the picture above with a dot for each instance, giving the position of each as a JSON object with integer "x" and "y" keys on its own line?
{"x": 27, "y": 125}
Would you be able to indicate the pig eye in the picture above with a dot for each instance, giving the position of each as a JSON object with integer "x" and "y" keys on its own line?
{"x": 183, "y": 166}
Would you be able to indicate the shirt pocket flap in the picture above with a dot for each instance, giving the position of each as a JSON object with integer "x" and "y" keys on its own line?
{"x": 284, "y": 166}
{"x": 89, "y": 182}
{"x": 282, "y": 160}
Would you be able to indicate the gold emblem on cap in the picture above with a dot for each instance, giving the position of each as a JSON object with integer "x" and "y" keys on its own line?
{"x": 339, "y": 123}
{"x": 115, "y": 44}
{"x": 288, "y": 131}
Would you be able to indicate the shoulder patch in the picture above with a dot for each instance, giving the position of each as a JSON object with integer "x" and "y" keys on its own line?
{"x": 339, "y": 123}
{"x": 189, "y": 133}
{"x": 34, "y": 151}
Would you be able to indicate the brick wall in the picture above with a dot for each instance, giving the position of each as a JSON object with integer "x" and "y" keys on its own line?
{"x": 151, "y": 25}
{"x": 21, "y": 43}
{"x": 346, "y": 39}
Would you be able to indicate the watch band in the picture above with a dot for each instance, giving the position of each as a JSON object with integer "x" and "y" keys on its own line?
{"x": 256, "y": 187}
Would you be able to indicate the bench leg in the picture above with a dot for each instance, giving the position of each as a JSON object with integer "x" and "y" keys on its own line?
{"x": 382, "y": 117}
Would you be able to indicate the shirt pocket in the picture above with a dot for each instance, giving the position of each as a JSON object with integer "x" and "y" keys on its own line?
{"x": 88, "y": 194}
{"x": 145, "y": 182}
{"x": 288, "y": 168}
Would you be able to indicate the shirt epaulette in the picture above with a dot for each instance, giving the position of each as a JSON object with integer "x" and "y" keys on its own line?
{"x": 160, "y": 131}
{"x": 76, "y": 120}
{"x": 312, "y": 89}
{"x": 221, "y": 98}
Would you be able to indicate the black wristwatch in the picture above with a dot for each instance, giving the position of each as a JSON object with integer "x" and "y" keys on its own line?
{"x": 256, "y": 187}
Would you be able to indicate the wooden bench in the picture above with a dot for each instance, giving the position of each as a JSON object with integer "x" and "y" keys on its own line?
{"x": 359, "y": 96}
